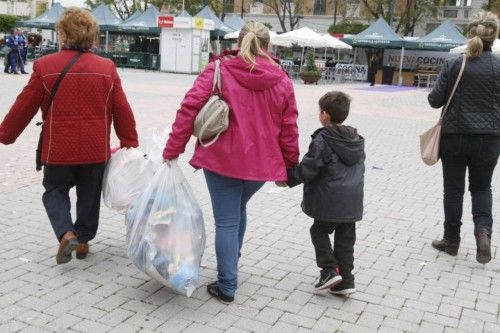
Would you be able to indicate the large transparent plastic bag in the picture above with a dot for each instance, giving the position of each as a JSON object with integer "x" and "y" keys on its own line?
{"x": 127, "y": 174}
{"x": 153, "y": 142}
{"x": 166, "y": 232}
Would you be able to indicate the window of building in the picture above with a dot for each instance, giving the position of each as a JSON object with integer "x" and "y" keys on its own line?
{"x": 257, "y": 8}
{"x": 319, "y": 7}
{"x": 228, "y": 6}
{"x": 450, "y": 13}
{"x": 455, "y": 3}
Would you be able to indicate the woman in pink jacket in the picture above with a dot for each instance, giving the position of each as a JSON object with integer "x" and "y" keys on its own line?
{"x": 260, "y": 143}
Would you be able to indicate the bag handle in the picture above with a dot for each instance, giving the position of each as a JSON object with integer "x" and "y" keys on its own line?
{"x": 454, "y": 88}
{"x": 217, "y": 82}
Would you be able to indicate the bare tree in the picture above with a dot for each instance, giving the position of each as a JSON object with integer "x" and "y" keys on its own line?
{"x": 287, "y": 11}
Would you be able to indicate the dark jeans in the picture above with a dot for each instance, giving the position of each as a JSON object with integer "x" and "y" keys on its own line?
{"x": 342, "y": 254}
{"x": 479, "y": 154}
{"x": 229, "y": 201}
{"x": 58, "y": 180}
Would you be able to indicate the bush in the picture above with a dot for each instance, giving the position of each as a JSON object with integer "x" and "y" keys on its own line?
{"x": 7, "y": 22}
{"x": 310, "y": 68}
{"x": 347, "y": 27}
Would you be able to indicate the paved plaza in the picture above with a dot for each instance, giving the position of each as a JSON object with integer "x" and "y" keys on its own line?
{"x": 403, "y": 284}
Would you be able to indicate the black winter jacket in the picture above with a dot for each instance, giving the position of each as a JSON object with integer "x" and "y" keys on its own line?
{"x": 475, "y": 108}
{"x": 333, "y": 175}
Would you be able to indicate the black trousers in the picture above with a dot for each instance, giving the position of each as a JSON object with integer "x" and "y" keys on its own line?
{"x": 58, "y": 180}
{"x": 479, "y": 155}
{"x": 342, "y": 254}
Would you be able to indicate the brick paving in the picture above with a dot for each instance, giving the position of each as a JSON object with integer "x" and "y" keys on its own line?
{"x": 403, "y": 284}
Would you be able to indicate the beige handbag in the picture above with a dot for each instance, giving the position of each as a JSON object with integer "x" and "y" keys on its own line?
{"x": 430, "y": 140}
{"x": 213, "y": 118}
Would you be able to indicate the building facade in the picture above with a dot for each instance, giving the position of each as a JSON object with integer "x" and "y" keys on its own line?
{"x": 17, "y": 7}
{"x": 319, "y": 14}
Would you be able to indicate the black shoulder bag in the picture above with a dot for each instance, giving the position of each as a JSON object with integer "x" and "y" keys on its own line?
{"x": 52, "y": 94}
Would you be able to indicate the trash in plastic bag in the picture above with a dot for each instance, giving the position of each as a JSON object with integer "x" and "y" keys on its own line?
{"x": 127, "y": 174}
{"x": 166, "y": 232}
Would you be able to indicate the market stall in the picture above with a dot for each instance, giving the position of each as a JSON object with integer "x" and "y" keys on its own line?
{"x": 107, "y": 21}
{"x": 379, "y": 35}
{"x": 220, "y": 28}
{"x": 184, "y": 43}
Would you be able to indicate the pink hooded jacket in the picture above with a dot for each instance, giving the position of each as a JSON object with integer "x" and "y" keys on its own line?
{"x": 261, "y": 141}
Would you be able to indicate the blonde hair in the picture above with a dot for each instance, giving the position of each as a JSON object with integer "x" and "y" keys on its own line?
{"x": 253, "y": 41}
{"x": 483, "y": 31}
{"x": 79, "y": 26}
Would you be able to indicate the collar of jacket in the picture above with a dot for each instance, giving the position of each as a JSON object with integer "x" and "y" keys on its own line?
{"x": 72, "y": 48}
{"x": 234, "y": 53}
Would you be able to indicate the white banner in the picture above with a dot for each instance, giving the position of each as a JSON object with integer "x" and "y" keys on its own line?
{"x": 361, "y": 70}
{"x": 412, "y": 58}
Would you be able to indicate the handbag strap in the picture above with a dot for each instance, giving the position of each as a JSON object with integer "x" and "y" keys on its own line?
{"x": 217, "y": 82}
{"x": 60, "y": 78}
{"x": 459, "y": 77}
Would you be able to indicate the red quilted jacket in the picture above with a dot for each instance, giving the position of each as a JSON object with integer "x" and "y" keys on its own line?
{"x": 77, "y": 126}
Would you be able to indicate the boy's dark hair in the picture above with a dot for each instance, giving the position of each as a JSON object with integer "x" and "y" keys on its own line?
{"x": 336, "y": 104}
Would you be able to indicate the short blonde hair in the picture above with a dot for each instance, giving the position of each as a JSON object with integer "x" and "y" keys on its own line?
{"x": 253, "y": 41}
{"x": 80, "y": 27}
{"x": 483, "y": 31}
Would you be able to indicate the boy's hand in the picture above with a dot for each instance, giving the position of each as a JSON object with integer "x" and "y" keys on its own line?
{"x": 281, "y": 184}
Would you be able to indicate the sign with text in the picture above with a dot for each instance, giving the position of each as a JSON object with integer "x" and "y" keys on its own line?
{"x": 361, "y": 71}
{"x": 166, "y": 21}
{"x": 414, "y": 58}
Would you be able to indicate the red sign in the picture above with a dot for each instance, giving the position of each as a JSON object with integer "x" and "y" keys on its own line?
{"x": 337, "y": 35}
{"x": 166, "y": 21}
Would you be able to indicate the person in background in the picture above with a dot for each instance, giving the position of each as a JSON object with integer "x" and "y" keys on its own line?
{"x": 12, "y": 43}
{"x": 470, "y": 138}
{"x": 22, "y": 51}
{"x": 76, "y": 129}
{"x": 373, "y": 68}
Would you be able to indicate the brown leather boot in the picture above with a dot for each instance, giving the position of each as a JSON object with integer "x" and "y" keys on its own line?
{"x": 67, "y": 245}
{"x": 483, "y": 245}
{"x": 82, "y": 250}
{"x": 450, "y": 247}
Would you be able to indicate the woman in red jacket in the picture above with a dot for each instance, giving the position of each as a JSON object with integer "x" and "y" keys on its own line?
{"x": 260, "y": 143}
{"x": 76, "y": 129}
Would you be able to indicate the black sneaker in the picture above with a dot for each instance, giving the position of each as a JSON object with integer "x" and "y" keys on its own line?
{"x": 326, "y": 281}
{"x": 213, "y": 290}
{"x": 344, "y": 288}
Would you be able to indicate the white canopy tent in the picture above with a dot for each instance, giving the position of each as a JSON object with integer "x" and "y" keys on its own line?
{"x": 306, "y": 37}
{"x": 272, "y": 35}
{"x": 461, "y": 49}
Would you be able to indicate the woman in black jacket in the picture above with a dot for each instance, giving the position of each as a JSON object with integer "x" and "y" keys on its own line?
{"x": 470, "y": 135}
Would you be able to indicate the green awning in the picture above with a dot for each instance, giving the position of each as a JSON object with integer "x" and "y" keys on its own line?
{"x": 146, "y": 23}
{"x": 221, "y": 29}
{"x": 45, "y": 21}
{"x": 443, "y": 38}
{"x": 378, "y": 35}
{"x": 106, "y": 19}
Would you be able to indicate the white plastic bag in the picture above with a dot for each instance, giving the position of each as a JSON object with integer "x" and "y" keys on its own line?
{"x": 127, "y": 174}
{"x": 166, "y": 232}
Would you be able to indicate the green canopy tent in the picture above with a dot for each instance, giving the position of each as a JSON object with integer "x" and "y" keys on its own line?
{"x": 443, "y": 38}
{"x": 45, "y": 21}
{"x": 220, "y": 29}
{"x": 378, "y": 35}
{"x": 133, "y": 16}
{"x": 234, "y": 22}
{"x": 145, "y": 23}
{"x": 107, "y": 21}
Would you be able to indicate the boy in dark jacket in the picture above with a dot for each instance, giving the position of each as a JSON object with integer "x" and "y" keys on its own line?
{"x": 333, "y": 175}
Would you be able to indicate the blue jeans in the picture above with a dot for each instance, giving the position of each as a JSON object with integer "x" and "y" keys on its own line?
{"x": 229, "y": 199}
{"x": 479, "y": 154}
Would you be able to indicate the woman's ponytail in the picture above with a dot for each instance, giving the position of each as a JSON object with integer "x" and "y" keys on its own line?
{"x": 253, "y": 42}
{"x": 483, "y": 31}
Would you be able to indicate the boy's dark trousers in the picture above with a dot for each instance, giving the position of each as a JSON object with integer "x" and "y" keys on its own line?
{"x": 342, "y": 254}
{"x": 58, "y": 180}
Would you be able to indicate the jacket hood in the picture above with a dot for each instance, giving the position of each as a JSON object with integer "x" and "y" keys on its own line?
{"x": 345, "y": 142}
{"x": 262, "y": 76}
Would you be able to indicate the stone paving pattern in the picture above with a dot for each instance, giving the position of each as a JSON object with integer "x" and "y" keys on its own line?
{"x": 403, "y": 284}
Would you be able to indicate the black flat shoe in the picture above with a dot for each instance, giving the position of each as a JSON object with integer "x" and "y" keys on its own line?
{"x": 213, "y": 290}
